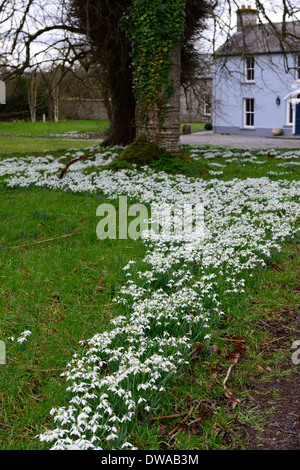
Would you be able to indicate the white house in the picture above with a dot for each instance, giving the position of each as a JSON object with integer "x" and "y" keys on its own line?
{"x": 255, "y": 76}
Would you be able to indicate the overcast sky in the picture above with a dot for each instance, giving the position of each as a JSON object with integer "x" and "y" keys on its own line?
{"x": 227, "y": 19}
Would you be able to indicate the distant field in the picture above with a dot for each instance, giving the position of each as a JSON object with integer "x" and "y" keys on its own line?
{"x": 77, "y": 129}
{"x": 41, "y": 129}
{"x": 195, "y": 126}
{"x": 19, "y": 145}
{"x": 54, "y": 136}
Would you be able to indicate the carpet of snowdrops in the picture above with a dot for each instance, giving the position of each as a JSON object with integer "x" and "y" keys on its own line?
{"x": 127, "y": 368}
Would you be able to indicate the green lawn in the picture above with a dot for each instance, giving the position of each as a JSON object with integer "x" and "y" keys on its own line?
{"x": 195, "y": 126}
{"x": 20, "y": 145}
{"x": 49, "y": 128}
{"x": 40, "y": 129}
{"x": 61, "y": 290}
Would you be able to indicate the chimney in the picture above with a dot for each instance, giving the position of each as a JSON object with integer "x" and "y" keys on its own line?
{"x": 246, "y": 17}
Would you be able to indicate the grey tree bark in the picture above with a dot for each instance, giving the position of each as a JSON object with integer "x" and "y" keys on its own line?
{"x": 32, "y": 94}
{"x": 166, "y": 134}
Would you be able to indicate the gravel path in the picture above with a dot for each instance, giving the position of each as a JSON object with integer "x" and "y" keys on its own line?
{"x": 233, "y": 140}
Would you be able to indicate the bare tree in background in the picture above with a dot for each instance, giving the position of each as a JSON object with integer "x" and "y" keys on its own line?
{"x": 32, "y": 88}
{"x": 75, "y": 31}
{"x": 89, "y": 32}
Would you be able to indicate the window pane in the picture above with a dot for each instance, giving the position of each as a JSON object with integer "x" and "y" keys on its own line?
{"x": 249, "y": 112}
{"x": 207, "y": 104}
{"x": 250, "y": 68}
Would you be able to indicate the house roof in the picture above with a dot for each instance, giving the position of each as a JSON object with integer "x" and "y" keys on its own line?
{"x": 263, "y": 38}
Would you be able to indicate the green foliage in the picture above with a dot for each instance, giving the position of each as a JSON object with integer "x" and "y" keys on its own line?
{"x": 55, "y": 290}
{"x": 16, "y": 100}
{"x": 154, "y": 27}
{"x": 208, "y": 126}
{"x": 142, "y": 152}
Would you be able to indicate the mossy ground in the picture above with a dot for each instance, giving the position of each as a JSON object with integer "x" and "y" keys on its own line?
{"x": 142, "y": 152}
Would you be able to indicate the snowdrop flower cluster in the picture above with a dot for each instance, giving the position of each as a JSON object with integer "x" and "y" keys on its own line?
{"x": 247, "y": 156}
{"x": 22, "y": 338}
{"x": 164, "y": 307}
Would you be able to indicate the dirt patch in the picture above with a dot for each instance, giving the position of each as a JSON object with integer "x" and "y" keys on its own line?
{"x": 282, "y": 431}
{"x": 279, "y": 399}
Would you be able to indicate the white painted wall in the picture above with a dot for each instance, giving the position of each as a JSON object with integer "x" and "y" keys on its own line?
{"x": 230, "y": 88}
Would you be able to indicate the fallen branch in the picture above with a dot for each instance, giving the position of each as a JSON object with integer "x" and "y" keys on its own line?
{"x": 44, "y": 241}
{"x": 195, "y": 421}
{"x": 159, "y": 418}
{"x": 229, "y": 394}
{"x": 274, "y": 340}
{"x": 83, "y": 157}
{"x": 176, "y": 429}
{"x": 46, "y": 226}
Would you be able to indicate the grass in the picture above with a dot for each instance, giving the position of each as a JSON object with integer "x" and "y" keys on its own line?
{"x": 41, "y": 129}
{"x": 195, "y": 126}
{"x": 271, "y": 298}
{"x": 62, "y": 290}
{"x": 13, "y": 146}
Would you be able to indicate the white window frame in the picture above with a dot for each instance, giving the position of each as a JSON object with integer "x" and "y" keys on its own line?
{"x": 297, "y": 67}
{"x": 248, "y": 112}
{"x": 249, "y": 69}
{"x": 289, "y": 114}
{"x": 207, "y": 105}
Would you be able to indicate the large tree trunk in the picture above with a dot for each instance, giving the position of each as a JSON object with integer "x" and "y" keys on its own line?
{"x": 122, "y": 113}
{"x": 164, "y": 133}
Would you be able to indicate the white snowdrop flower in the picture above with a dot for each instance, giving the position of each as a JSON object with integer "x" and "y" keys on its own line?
{"x": 128, "y": 444}
{"x": 112, "y": 436}
{"x": 21, "y": 339}
{"x": 26, "y": 333}
{"x": 23, "y": 336}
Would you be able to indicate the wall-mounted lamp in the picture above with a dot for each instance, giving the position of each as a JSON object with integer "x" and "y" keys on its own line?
{"x": 278, "y": 101}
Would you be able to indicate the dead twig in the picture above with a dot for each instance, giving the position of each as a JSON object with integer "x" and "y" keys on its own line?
{"x": 44, "y": 241}
{"x": 195, "y": 421}
{"x": 49, "y": 228}
{"x": 83, "y": 157}
{"x": 177, "y": 428}
{"x": 160, "y": 418}
{"x": 274, "y": 340}
{"x": 229, "y": 394}
{"x": 234, "y": 340}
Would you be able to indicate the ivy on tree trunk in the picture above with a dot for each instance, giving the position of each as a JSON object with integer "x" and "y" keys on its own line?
{"x": 155, "y": 28}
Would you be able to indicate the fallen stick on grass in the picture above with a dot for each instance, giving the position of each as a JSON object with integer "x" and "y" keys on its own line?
{"x": 175, "y": 431}
{"x": 83, "y": 157}
{"x": 159, "y": 418}
{"x": 44, "y": 241}
{"x": 229, "y": 394}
